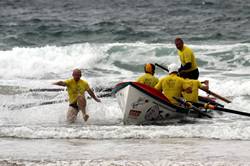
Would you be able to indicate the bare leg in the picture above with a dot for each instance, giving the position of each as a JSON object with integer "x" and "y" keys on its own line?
{"x": 72, "y": 115}
{"x": 81, "y": 102}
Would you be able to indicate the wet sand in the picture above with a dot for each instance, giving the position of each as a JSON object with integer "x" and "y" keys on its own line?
{"x": 172, "y": 151}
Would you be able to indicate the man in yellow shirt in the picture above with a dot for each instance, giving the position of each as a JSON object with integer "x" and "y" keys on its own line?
{"x": 76, "y": 88}
{"x": 188, "y": 61}
{"x": 193, "y": 87}
{"x": 148, "y": 78}
{"x": 171, "y": 85}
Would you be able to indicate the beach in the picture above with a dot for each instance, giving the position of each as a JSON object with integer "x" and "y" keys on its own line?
{"x": 42, "y": 41}
{"x": 171, "y": 151}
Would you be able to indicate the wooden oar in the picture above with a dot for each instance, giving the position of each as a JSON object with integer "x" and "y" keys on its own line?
{"x": 98, "y": 89}
{"x": 213, "y": 107}
{"x": 232, "y": 111}
{"x": 29, "y": 105}
{"x": 162, "y": 67}
{"x": 191, "y": 106}
{"x": 103, "y": 89}
{"x": 217, "y": 96}
{"x": 47, "y": 90}
{"x": 209, "y": 101}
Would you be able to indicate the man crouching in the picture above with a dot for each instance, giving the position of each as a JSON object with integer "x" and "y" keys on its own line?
{"x": 76, "y": 88}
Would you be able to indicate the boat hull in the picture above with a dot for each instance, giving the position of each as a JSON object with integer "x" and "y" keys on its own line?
{"x": 142, "y": 105}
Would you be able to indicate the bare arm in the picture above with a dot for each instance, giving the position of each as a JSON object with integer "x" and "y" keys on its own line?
{"x": 206, "y": 82}
{"x": 92, "y": 94}
{"x": 60, "y": 83}
{"x": 205, "y": 87}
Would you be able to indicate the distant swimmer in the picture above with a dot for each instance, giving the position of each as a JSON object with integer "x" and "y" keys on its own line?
{"x": 148, "y": 78}
{"x": 76, "y": 88}
{"x": 188, "y": 61}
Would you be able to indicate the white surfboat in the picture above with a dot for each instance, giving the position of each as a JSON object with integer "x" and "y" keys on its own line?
{"x": 142, "y": 104}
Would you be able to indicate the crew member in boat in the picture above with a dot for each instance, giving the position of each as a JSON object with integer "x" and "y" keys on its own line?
{"x": 148, "y": 78}
{"x": 76, "y": 88}
{"x": 171, "y": 85}
{"x": 188, "y": 61}
{"x": 192, "y": 88}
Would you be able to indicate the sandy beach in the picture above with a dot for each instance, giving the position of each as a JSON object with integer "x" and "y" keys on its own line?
{"x": 172, "y": 151}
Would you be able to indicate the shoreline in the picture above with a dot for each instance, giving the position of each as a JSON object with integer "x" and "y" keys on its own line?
{"x": 171, "y": 151}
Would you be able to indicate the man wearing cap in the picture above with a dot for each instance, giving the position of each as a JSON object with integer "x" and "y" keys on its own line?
{"x": 148, "y": 78}
{"x": 188, "y": 61}
{"x": 171, "y": 85}
{"x": 76, "y": 88}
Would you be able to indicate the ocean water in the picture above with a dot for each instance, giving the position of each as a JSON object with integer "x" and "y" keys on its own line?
{"x": 43, "y": 41}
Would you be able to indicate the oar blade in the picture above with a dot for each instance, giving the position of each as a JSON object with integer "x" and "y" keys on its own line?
{"x": 162, "y": 67}
{"x": 232, "y": 111}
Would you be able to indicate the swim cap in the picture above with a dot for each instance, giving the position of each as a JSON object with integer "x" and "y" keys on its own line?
{"x": 173, "y": 68}
{"x": 149, "y": 68}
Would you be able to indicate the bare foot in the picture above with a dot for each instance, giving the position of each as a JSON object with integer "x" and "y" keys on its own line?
{"x": 85, "y": 117}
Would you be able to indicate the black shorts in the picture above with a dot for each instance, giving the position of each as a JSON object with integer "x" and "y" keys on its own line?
{"x": 75, "y": 106}
{"x": 194, "y": 74}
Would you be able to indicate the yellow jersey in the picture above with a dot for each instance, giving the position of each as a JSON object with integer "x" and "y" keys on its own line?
{"x": 148, "y": 79}
{"x": 194, "y": 85}
{"x": 76, "y": 88}
{"x": 186, "y": 56}
{"x": 171, "y": 86}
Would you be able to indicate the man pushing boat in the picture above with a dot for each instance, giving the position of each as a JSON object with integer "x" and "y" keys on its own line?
{"x": 76, "y": 88}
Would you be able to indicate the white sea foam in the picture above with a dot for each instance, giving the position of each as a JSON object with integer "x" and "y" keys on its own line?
{"x": 105, "y": 65}
{"x": 222, "y": 131}
{"x": 51, "y": 60}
